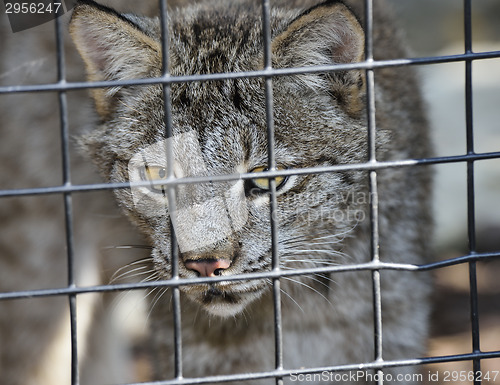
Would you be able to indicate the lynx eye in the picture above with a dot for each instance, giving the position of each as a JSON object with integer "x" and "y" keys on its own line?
{"x": 262, "y": 184}
{"x": 152, "y": 174}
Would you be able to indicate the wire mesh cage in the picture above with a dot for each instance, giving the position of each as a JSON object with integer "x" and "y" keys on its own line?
{"x": 59, "y": 90}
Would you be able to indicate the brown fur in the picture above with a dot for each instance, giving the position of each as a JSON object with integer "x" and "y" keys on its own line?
{"x": 319, "y": 120}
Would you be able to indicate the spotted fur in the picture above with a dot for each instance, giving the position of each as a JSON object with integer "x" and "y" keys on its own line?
{"x": 322, "y": 218}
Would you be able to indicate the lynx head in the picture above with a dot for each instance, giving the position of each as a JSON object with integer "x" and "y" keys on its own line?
{"x": 219, "y": 128}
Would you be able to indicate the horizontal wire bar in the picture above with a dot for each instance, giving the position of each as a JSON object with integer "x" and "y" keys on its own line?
{"x": 373, "y": 365}
{"x": 369, "y": 266}
{"x": 274, "y": 72}
{"x": 378, "y": 165}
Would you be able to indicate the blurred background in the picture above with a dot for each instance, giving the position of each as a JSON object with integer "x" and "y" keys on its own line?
{"x": 437, "y": 28}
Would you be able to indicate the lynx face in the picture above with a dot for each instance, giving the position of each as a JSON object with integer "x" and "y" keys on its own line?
{"x": 219, "y": 128}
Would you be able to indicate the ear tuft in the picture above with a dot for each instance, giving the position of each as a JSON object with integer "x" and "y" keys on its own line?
{"x": 112, "y": 47}
{"x": 326, "y": 34}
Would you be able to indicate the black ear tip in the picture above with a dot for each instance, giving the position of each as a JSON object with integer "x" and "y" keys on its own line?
{"x": 86, "y": 2}
{"x": 82, "y": 4}
{"x": 331, "y": 3}
{"x": 78, "y": 3}
{"x": 96, "y": 5}
{"x": 102, "y": 8}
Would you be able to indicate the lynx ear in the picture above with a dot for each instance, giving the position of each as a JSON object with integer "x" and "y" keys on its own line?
{"x": 113, "y": 48}
{"x": 326, "y": 34}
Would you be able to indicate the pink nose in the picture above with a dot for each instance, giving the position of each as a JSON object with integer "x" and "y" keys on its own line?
{"x": 208, "y": 267}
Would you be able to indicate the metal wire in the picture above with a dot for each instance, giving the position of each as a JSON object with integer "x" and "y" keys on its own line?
{"x": 373, "y": 189}
{"x": 275, "y": 72}
{"x": 371, "y": 166}
{"x": 176, "y": 296}
{"x": 471, "y": 215}
{"x": 68, "y": 204}
{"x": 378, "y": 165}
{"x": 271, "y": 166}
{"x": 369, "y": 266}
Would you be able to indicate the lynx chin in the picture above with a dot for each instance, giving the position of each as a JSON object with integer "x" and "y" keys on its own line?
{"x": 223, "y": 228}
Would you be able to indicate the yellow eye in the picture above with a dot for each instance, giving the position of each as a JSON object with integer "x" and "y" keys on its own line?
{"x": 263, "y": 183}
{"x": 152, "y": 174}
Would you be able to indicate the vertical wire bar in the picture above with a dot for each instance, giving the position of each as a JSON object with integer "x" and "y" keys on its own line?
{"x": 68, "y": 204}
{"x": 373, "y": 189}
{"x": 176, "y": 301}
{"x": 471, "y": 225}
{"x": 278, "y": 332}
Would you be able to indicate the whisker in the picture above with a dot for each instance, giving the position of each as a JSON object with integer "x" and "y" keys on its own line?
{"x": 152, "y": 277}
{"x": 291, "y": 299}
{"x": 335, "y": 260}
{"x": 343, "y": 233}
{"x": 312, "y": 261}
{"x": 196, "y": 315}
{"x": 332, "y": 242}
{"x": 303, "y": 251}
{"x": 309, "y": 287}
{"x": 146, "y": 247}
{"x": 325, "y": 278}
{"x": 128, "y": 118}
{"x": 126, "y": 295}
{"x": 313, "y": 242}
{"x": 129, "y": 274}
{"x": 122, "y": 271}
{"x": 335, "y": 238}
{"x": 313, "y": 278}
{"x": 243, "y": 314}
{"x": 160, "y": 293}
{"x": 310, "y": 254}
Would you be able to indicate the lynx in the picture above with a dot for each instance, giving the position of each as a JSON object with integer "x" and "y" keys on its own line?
{"x": 224, "y": 228}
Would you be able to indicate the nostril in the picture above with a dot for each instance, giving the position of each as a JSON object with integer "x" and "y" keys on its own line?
{"x": 208, "y": 267}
